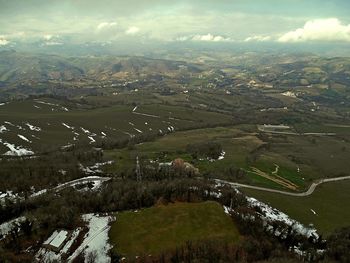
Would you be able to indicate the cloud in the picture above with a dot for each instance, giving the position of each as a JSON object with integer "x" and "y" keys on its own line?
{"x": 106, "y": 26}
{"x": 132, "y": 30}
{"x": 4, "y": 42}
{"x": 52, "y": 43}
{"x": 208, "y": 38}
{"x": 52, "y": 40}
{"x": 319, "y": 30}
{"x": 257, "y": 38}
{"x": 48, "y": 37}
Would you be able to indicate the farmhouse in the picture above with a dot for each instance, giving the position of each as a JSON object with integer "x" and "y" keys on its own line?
{"x": 57, "y": 240}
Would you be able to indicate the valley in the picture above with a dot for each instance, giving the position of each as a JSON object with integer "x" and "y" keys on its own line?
{"x": 98, "y": 152}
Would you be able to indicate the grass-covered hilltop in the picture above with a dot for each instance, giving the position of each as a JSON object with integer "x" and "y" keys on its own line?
{"x": 192, "y": 156}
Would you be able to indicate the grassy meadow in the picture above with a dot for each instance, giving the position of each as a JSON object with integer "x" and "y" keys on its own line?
{"x": 165, "y": 227}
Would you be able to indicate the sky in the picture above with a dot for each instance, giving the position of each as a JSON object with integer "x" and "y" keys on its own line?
{"x": 57, "y": 22}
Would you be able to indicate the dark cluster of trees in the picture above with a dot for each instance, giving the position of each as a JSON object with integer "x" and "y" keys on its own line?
{"x": 247, "y": 250}
{"x": 44, "y": 171}
{"x": 339, "y": 245}
{"x": 205, "y": 149}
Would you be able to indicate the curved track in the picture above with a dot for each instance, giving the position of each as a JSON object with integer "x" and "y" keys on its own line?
{"x": 306, "y": 193}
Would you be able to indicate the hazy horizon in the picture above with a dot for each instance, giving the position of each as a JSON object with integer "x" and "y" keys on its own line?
{"x": 141, "y": 23}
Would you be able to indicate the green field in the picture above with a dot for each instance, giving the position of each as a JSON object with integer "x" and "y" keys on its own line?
{"x": 330, "y": 201}
{"x": 157, "y": 229}
{"x": 301, "y": 159}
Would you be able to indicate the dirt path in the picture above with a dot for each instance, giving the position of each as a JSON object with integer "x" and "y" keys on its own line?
{"x": 275, "y": 178}
{"x": 307, "y": 193}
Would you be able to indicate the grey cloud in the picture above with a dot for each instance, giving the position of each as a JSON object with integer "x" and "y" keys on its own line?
{"x": 165, "y": 20}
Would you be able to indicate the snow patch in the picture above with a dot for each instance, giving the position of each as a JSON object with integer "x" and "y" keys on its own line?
{"x": 96, "y": 239}
{"x": 24, "y": 138}
{"x": 67, "y": 126}
{"x": 47, "y": 103}
{"x": 289, "y": 94}
{"x": 94, "y": 168}
{"x": 7, "y": 195}
{"x": 39, "y": 193}
{"x": 222, "y": 155}
{"x": 16, "y": 150}
{"x": 271, "y": 215}
{"x": 69, "y": 145}
{"x": 7, "y": 227}
{"x": 138, "y": 130}
{"x": 92, "y": 140}
{"x": 3, "y": 129}
{"x": 32, "y": 127}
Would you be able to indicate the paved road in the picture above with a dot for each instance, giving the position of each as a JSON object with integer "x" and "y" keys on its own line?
{"x": 307, "y": 193}
{"x": 83, "y": 180}
{"x": 262, "y": 129}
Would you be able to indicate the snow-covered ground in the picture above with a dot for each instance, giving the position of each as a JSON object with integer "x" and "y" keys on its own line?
{"x": 139, "y": 131}
{"x": 85, "y": 130}
{"x": 69, "y": 145}
{"x": 96, "y": 239}
{"x": 7, "y": 195}
{"x": 43, "y": 191}
{"x": 3, "y": 129}
{"x": 16, "y": 150}
{"x": 92, "y": 140}
{"x": 67, "y": 126}
{"x": 94, "y": 168}
{"x": 270, "y": 215}
{"x": 52, "y": 104}
{"x": 5, "y": 228}
{"x": 24, "y": 138}
{"x": 32, "y": 127}
{"x": 289, "y": 94}
{"x": 222, "y": 155}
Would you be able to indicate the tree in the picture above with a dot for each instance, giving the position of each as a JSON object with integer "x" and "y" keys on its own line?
{"x": 339, "y": 245}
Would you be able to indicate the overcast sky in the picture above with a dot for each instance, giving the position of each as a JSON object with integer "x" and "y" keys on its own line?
{"x": 58, "y": 21}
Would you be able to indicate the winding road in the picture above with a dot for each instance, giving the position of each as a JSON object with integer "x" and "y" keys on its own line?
{"x": 307, "y": 193}
{"x": 83, "y": 180}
